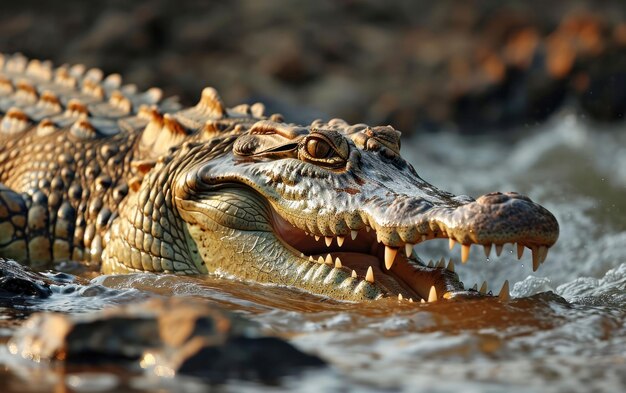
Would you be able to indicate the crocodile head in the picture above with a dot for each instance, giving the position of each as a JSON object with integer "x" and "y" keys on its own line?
{"x": 331, "y": 209}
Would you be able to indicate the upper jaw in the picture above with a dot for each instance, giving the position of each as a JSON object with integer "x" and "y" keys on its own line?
{"x": 492, "y": 219}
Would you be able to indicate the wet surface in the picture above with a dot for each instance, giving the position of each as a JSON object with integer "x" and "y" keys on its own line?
{"x": 564, "y": 329}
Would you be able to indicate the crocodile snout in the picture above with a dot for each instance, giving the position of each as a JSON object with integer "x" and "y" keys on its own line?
{"x": 501, "y": 218}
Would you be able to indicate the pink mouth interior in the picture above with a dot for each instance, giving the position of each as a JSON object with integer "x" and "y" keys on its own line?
{"x": 358, "y": 255}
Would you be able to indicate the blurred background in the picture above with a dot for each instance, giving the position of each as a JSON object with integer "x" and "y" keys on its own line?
{"x": 472, "y": 66}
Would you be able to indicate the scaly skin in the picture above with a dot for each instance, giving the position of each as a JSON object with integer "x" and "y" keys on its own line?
{"x": 91, "y": 170}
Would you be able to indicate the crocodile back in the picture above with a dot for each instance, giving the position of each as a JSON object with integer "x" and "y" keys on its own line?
{"x": 67, "y": 140}
{"x": 74, "y": 143}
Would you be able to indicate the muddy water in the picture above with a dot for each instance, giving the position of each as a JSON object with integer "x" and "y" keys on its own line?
{"x": 563, "y": 331}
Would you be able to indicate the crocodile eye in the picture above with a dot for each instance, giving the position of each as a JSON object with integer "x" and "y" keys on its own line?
{"x": 328, "y": 149}
{"x": 318, "y": 148}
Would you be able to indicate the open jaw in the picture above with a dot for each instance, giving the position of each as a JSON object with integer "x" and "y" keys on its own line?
{"x": 377, "y": 270}
{"x": 372, "y": 269}
{"x": 239, "y": 232}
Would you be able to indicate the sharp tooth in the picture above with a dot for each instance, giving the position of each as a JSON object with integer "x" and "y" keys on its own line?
{"x": 408, "y": 249}
{"x": 320, "y": 259}
{"x": 452, "y": 243}
{"x": 423, "y": 237}
{"x": 498, "y": 249}
{"x": 328, "y": 260}
{"x": 442, "y": 262}
{"x": 378, "y": 237}
{"x": 338, "y": 264}
{"x": 432, "y": 295}
{"x": 535, "y": 259}
{"x": 301, "y": 255}
{"x": 369, "y": 276}
{"x": 353, "y": 275}
{"x": 340, "y": 240}
{"x": 483, "y": 288}
{"x": 367, "y": 228}
{"x": 311, "y": 258}
{"x": 504, "y": 292}
{"x": 475, "y": 287}
{"x": 421, "y": 301}
{"x": 520, "y": 250}
{"x": 465, "y": 250}
{"x": 430, "y": 263}
{"x": 487, "y": 248}
{"x": 353, "y": 234}
{"x": 451, "y": 266}
{"x": 543, "y": 254}
{"x": 328, "y": 240}
{"x": 390, "y": 256}
{"x": 317, "y": 238}
{"x": 400, "y": 297}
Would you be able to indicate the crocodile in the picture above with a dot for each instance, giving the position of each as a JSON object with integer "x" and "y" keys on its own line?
{"x": 96, "y": 171}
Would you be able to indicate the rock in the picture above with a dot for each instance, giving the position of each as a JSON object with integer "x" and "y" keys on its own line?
{"x": 260, "y": 358}
{"x": 18, "y": 283}
{"x": 521, "y": 98}
{"x": 600, "y": 85}
{"x": 164, "y": 337}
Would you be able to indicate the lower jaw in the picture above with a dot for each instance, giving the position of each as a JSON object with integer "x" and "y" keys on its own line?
{"x": 266, "y": 257}
{"x": 410, "y": 280}
{"x": 260, "y": 257}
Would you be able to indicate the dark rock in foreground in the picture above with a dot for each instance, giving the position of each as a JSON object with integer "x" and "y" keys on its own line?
{"x": 17, "y": 283}
{"x": 165, "y": 337}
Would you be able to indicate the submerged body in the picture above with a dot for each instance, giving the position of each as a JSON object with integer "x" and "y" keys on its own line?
{"x": 93, "y": 170}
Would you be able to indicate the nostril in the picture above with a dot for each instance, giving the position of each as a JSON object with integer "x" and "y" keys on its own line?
{"x": 493, "y": 198}
{"x": 515, "y": 195}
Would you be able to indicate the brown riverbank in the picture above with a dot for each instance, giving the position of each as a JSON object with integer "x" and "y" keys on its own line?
{"x": 475, "y": 66}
